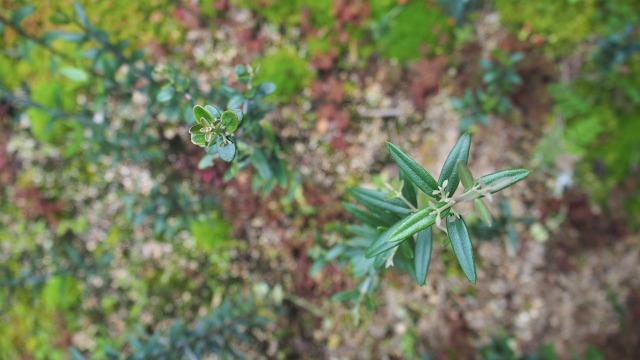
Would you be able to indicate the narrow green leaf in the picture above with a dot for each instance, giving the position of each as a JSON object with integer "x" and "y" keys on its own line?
{"x": 382, "y": 243}
{"x": 408, "y": 189}
{"x": 422, "y": 256}
{"x": 462, "y": 247}
{"x": 406, "y": 250}
{"x": 465, "y": 175}
{"x": 19, "y": 15}
{"x": 414, "y": 172}
{"x": 230, "y": 120}
{"x": 483, "y": 212}
{"x": 375, "y": 200}
{"x": 502, "y": 179}
{"x": 460, "y": 152}
{"x": 82, "y": 16}
{"x": 199, "y": 112}
{"x": 227, "y": 151}
{"x": 414, "y": 223}
{"x": 368, "y": 217}
{"x": 51, "y": 36}
{"x": 402, "y": 262}
{"x": 346, "y": 295}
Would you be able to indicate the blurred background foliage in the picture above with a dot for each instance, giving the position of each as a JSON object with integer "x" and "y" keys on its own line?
{"x": 120, "y": 239}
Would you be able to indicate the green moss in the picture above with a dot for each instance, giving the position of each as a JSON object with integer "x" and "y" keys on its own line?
{"x": 563, "y": 23}
{"x": 290, "y": 72}
{"x": 290, "y": 12}
{"x": 417, "y": 27}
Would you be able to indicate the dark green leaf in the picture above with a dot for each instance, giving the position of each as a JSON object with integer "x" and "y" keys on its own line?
{"x": 416, "y": 173}
{"x": 22, "y": 14}
{"x": 382, "y": 244}
{"x": 460, "y": 152}
{"x": 408, "y": 189}
{"x": 227, "y": 151}
{"x": 502, "y": 179}
{"x": 422, "y": 256}
{"x": 368, "y": 217}
{"x": 414, "y": 223}
{"x": 376, "y": 200}
{"x": 200, "y": 112}
{"x": 406, "y": 250}
{"x": 230, "y": 120}
{"x": 462, "y": 247}
{"x": 465, "y": 175}
{"x": 346, "y": 295}
{"x": 380, "y": 260}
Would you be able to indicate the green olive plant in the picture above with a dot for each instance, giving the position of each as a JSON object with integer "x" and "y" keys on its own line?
{"x": 396, "y": 231}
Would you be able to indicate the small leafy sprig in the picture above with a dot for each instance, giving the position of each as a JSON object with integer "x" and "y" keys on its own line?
{"x": 401, "y": 232}
{"x": 216, "y": 127}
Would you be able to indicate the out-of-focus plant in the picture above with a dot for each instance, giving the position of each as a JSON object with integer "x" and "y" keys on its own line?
{"x": 500, "y": 78}
{"x": 241, "y": 129}
{"x": 397, "y": 228}
{"x": 229, "y": 328}
{"x": 502, "y": 227}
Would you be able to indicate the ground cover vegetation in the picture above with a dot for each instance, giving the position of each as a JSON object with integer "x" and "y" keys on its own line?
{"x": 298, "y": 179}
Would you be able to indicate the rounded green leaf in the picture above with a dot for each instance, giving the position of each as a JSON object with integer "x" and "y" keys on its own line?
{"x": 462, "y": 247}
{"x": 199, "y": 112}
{"x": 226, "y": 149}
{"x": 195, "y": 129}
{"x": 413, "y": 171}
{"x": 235, "y": 102}
{"x": 230, "y": 121}
{"x": 213, "y": 111}
{"x": 199, "y": 139}
{"x": 460, "y": 152}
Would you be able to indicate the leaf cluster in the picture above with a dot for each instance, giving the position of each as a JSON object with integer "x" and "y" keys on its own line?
{"x": 396, "y": 231}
